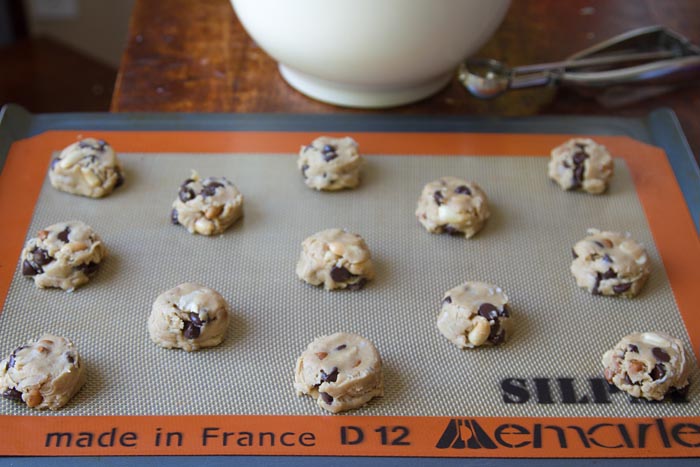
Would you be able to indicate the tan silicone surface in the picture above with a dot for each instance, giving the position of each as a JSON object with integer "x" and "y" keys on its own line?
{"x": 559, "y": 330}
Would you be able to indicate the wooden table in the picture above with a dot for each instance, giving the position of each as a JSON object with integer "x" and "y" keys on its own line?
{"x": 185, "y": 56}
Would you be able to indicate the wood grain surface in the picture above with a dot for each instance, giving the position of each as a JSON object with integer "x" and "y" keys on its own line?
{"x": 185, "y": 56}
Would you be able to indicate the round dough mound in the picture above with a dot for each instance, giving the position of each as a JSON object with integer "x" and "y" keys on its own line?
{"x": 189, "y": 317}
{"x": 330, "y": 164}
{"x": 88, "y": 168}
{"x": 63, "y": 255}
{"x": 44, "y": 374}
{"x": 581, "y": 163}
{"x": 341, "y": 371}
{"x": 648, "y": 365}
{"x": 474, "y": 314}
{"x": 337, "y": 259}
{"x": 207, "y": 207}
{"x": 454, "y": 206}
{"x": 610, "y": 263}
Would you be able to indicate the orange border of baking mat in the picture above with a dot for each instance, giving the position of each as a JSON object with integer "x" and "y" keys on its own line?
{"x": 464, "y": 436}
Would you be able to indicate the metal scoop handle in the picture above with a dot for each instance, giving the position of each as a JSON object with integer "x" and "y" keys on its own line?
{"x": 658, "y": 54}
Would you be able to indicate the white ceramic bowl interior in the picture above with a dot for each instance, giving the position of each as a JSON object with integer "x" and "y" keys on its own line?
{"x": 369, "y": 53}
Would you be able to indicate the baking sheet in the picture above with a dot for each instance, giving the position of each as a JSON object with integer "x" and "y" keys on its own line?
{"x": 560, "y": 330}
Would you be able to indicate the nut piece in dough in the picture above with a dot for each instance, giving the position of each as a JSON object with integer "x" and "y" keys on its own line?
{"x": 44, "y": 374}
{"x": 88, "y": 168}
{"x": 648, "y": 365}
{"x": 581, "y": 163}
{"x": 207, "y": 207}
{"x": 63, "y": 255}
{"x": 475, "y": 314}
{"x": 341, "y": 371}
{"x": 189, "y": 317}
{"x": 610, "y": 263}
{"x": 454, "y": 206}
{"x": 337, "y": 259}
{"x": 330, "y": 164}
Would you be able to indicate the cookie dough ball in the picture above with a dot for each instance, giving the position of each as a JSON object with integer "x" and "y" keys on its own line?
{"x": 337, "y": 259}
{"x": 648, "y": 365}
{"x": 207, "y": 207}
{"x": 330, "y": 164}
{"x": 475, "y": 314}
{"x": 44, "y": 374}
{"x": 88, "y": 168}
{"x": 581, "y": 163}
{"x": 454, "y": 206}
{"x": 189, "y": 317}
{"x": 63, "y": 255}
{"x": 610, "y": 263}
{"x": 342, "y": 372}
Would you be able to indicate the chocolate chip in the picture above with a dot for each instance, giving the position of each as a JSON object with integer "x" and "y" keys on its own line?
{"x": 579, "y": 157}
{"x": 621, "y": 288}
{"x": 600, "y": 245}
{"x": 488, "y": 311}
{"x": 447, "y": 299}
{"x": 357, "y": 285}
{"x": 101, "y": 145}
{"x": 578, "y": 175}
{"x": 70, "y": 358}
{"x": 54, "y": 162}
{"x": 88, "y": 268}
{"x": 195, "y": 319}
{"x": 438, "y": 197}
{"x": 609, "y": 274}
{"x": 327, "y": 398}
{"x": 463, "y": 190}
{"x": 633, "y": 348}
{"x": 85, "y": 145}
{"x": 331, "y": 377}
{"x": 628, "y": 380}
{"x": 185, "y": 194}
{"x": 505, "y": 312}
{"x": 29, "y": 269}
{"x": 191, "y": 331}
{"x": 11, "y": 361}
{"x": 573, "y": 253}
{"x": 13, "y": 394}
{"x": 660, "y": 354}
{"x": 63, "y": 236}
{"x": 340, "y": 274}
{"x": 120, "y": 180}
{"x": 448, "y": 229}
{"x": 607, "y": 258}
{"x": 658, "y": 372}
{"x": 304, "y": 168}
{"x": 328, "y": 153}
{"x": 41, "y": 256}
{"x": 173, "y": 217}
{"x": 595, "y": 290}
{"x": 497, "y": 334}
{"x": 210, "y": 189}
{"x": 340, "y": 347}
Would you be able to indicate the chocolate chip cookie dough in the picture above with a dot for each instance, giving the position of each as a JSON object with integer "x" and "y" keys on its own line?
{"x": 44, "y": 374}
{"x": 88, "y": 168}
{"x": 474, "y": 314}
{"x": 454, "y": 206}
{"x": 190, "y": 317}
{"x": 207, "y": 207}
{"x": 337, "y": 259}
{"x": 341, "y": 371}
{"x": 610, "y": 263}
{"x": 63, "y": 255}
{"x": 581, "y": 163}
{"x": 330, "y": 164}
{"x": 648, "y": 365}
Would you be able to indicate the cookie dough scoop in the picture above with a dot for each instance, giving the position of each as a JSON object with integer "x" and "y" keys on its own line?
{"x": 44, "y": 374}
{"x": 648, "y": 365}
{"x": 342, "y": 372}
{"x": 89, "y": 167}
{"x": 190, "y": 317}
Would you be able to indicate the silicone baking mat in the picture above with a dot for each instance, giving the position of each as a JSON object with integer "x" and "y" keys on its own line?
{"x": 549, "y": 370}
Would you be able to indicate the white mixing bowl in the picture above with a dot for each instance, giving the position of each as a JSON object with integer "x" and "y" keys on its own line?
{"x": 369, "y": 53}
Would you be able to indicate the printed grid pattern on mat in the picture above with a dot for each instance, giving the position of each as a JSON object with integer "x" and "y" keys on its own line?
{"x": 559, "y": 329}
